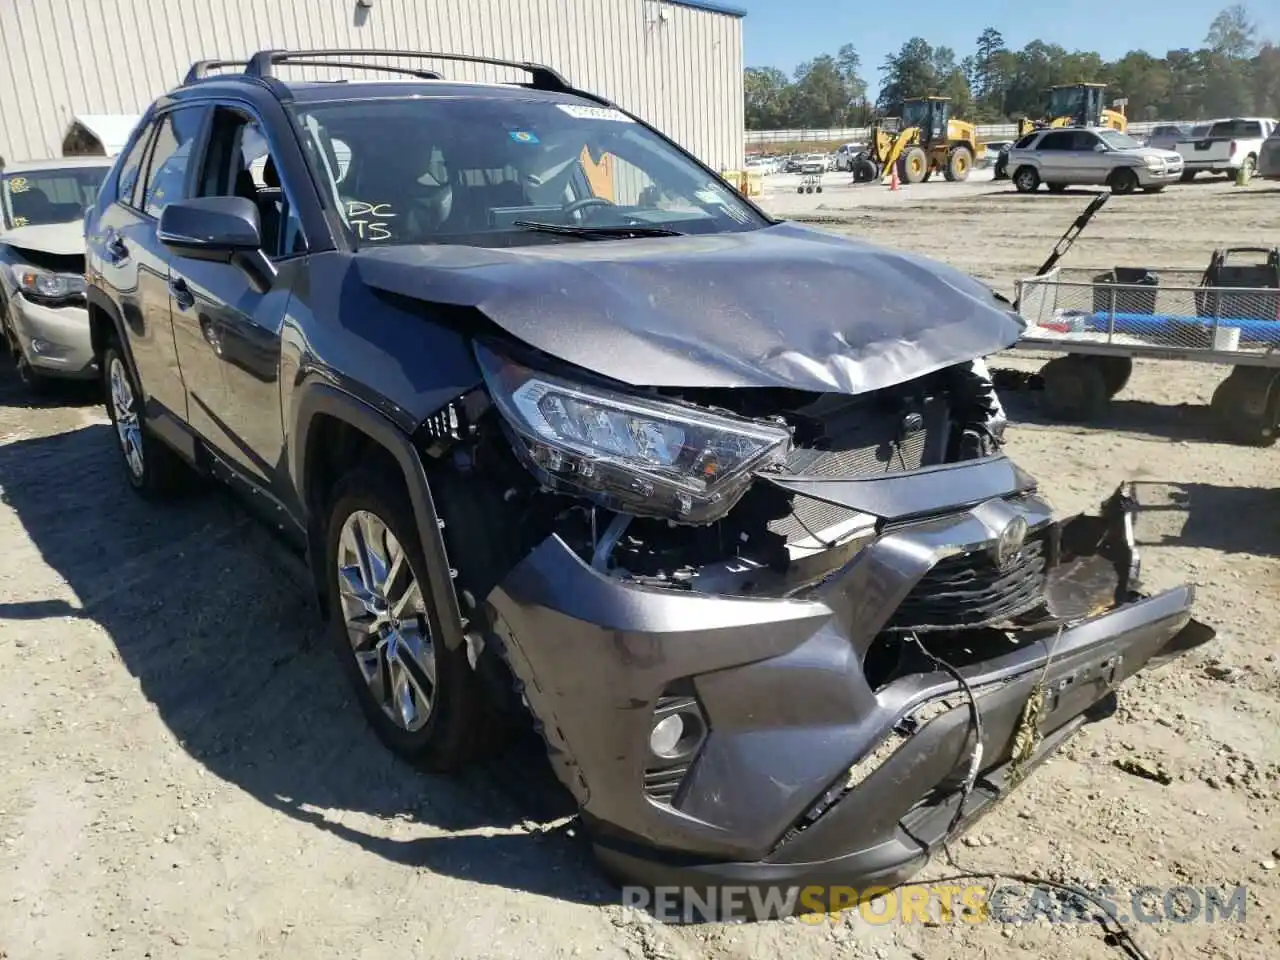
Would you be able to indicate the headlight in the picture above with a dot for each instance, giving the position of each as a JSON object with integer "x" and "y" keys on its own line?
{"x": 1155, "y": 163}
{"x": 628, "y": 453}
{"x": 45, "y": 286}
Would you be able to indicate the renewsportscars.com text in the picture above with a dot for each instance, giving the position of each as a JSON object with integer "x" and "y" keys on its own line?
{"x": 945, "y": 902}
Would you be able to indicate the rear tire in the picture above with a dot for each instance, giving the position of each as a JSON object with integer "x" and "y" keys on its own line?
{"x": 423, "y": 700}
{"x": 154, "y": 470}
{"x": 1123, "y": 181}
{"x": 959, "y": 163}
{"x": 1026, "y": 179}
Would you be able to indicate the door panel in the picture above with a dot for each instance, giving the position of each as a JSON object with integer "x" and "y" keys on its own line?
{"x": 228, "y": 341}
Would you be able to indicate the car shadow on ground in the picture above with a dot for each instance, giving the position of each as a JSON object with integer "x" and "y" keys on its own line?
{"x": 1226, "y": 519}
{"x": 214, "y": 618}
{"x": 50, "y": 393}
{"x": 1021, "y": 393}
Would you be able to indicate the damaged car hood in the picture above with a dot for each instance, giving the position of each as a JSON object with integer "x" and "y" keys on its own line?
{"x": 782, "y": 306}
{"x": 60, "y": 239}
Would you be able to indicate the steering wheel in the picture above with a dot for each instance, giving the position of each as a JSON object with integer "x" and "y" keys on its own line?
{"x": 577, "y": 206}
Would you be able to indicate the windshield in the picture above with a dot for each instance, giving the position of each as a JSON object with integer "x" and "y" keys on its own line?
{"x": 1067, "y": 102}
{"x": 478, "y": 170}
{"x": 32, "y": 198}
{"x": 915, "y": 113}
{"x": 1118, "y": 141}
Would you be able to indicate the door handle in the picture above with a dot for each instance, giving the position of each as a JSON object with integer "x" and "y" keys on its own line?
{"x": 117, "y": 249}
{"x": 181, "y": 293}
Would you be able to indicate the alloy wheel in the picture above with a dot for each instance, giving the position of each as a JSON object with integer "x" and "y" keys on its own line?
{"x": 124, "y": 411}
{"x": 386, "y": 621}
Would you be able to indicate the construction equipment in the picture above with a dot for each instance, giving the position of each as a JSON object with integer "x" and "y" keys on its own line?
{"x": 924, "y": 140}
{"x": 1076, "y": 105}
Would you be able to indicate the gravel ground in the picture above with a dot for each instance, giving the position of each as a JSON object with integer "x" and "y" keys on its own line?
{"x": 183, "y": 773}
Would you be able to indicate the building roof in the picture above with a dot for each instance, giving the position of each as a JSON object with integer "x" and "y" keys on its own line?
{"x": 711, "y": 6}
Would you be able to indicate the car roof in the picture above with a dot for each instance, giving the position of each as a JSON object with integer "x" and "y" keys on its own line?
{"x": 55, "y": 163}
{"x": 330, "y": 91}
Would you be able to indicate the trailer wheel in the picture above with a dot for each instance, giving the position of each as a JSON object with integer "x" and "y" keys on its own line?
{"x": 1115, "y": 372}
{"x": 818, "y": 189}
{"x": 1247, "y": 406}
{"x": 799, "y": 189}
{"x": 1187, "y": 176}
{"x": 1075, "y": 390}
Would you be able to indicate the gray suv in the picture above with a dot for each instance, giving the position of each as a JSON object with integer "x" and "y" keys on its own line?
{"x": 1083, "y": 156}
{"x": 716, "y": 502}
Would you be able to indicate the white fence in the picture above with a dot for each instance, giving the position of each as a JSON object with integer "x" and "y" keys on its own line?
{"x": 986, "y": 131}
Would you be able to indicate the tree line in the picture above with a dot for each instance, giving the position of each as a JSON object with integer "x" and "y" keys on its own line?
{"x": 1233, "y": 72}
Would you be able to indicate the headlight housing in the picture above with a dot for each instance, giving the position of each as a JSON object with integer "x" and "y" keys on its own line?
{"x": 629, "y": 453}
{"x": 1155, "y": 163}
{"x": 45, "y": 286}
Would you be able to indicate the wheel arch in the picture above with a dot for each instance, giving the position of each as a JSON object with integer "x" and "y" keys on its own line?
{"x": 105, "y": 325}
{"x": 332, "y": 428}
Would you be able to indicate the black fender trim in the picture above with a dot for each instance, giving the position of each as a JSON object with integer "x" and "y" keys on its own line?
{"x": 322, "y": 398}
{"x": 98, "y": 298}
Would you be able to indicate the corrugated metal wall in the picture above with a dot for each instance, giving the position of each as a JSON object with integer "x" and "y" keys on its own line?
{"x": 677, "y": 67}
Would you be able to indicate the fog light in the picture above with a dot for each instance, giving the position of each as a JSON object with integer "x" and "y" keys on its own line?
{"x": 667, "y": 733}
{"x": 40, "y": 346}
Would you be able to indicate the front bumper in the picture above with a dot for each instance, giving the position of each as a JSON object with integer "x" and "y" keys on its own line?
{"x": 55, "y": 340}
{"x": 1152, "y": 177}
{"x": 784, "y": 697}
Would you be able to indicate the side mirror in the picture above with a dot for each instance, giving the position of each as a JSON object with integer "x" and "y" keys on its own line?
{"x": 211, "y": 228}
{"x": 1100, "y": 148}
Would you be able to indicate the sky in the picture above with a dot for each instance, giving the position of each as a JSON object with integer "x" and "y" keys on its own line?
{"x": 785, "y": 33}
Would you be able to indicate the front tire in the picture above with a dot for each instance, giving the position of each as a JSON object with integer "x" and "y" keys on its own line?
{"x": 153, "y": 470}
{"x": 1124, "y": 181}
{"x": 1026, "y": 180}
{"x": 423, "y": 700}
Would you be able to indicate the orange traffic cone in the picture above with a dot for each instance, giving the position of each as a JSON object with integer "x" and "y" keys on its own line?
{"x": 893, "y": 177}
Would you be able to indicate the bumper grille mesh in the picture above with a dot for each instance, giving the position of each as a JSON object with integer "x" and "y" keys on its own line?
{"x": 969, "y": 590}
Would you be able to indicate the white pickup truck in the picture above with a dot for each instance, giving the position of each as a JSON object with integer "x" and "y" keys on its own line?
{"x": 1226, "y": 147}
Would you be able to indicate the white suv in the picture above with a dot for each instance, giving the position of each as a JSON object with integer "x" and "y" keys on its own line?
{"x": 1064, "y": 157}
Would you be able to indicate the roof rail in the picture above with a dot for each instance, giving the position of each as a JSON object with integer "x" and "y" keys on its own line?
{"x": 375, "y": 67}
{"x": 263, "y": 63}
{"x": 200, "y": 69}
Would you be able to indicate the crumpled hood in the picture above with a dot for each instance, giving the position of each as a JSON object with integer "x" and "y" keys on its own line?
{"x": 60, "y": 239}
{"x": 783, "y": 306}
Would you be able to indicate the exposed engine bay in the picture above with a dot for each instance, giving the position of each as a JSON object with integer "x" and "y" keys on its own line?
{"x": 775, "y": 543}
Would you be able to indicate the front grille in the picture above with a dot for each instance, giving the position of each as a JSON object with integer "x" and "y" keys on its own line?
{"x": 860, "y": 443}
{"x": 969, "y": 590}
{"x": 808, "y": 518}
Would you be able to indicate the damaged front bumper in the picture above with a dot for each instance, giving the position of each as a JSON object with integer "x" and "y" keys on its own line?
{"x": 803, "y": 753}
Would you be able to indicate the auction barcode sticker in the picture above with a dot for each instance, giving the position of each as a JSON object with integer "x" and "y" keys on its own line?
{"x": 594, "y": 113}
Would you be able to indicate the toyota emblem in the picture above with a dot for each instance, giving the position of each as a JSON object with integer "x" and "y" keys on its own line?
{"x": 1009, "y": 545}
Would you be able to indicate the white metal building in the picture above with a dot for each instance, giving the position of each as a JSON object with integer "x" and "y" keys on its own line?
{"x": 675, "y": 63}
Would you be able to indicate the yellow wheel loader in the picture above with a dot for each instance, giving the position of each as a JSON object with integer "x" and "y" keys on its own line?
{"x": 1077, "y": 105}
{"x": 923, "y": 141}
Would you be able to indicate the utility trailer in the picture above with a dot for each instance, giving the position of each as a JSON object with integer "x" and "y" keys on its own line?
{"x": 1100, "y": 321}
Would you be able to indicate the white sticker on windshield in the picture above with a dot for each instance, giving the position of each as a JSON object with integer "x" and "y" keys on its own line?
{"x": 594, "y": 113}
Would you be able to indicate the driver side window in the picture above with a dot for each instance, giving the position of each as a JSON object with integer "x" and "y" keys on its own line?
{"x": 239, "y": 163}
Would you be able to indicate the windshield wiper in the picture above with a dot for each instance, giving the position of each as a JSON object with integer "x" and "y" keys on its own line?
{"x": 598, "y": 232}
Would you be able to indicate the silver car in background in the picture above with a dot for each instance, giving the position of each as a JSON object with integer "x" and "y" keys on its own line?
{"x": 1086, "y": 156}
{"x": 43, "y": 315}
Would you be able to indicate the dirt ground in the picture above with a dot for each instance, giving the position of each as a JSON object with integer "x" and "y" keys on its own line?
{"x": 183, "y": 774}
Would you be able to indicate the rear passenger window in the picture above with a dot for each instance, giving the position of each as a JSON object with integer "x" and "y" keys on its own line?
{"x": 167, "y": 178}
{"x": 1060, "y": 140}
{"x": 131, "y": 167}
